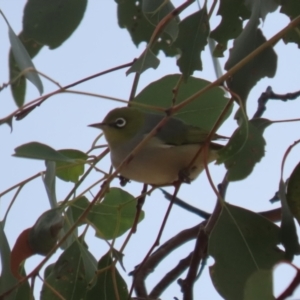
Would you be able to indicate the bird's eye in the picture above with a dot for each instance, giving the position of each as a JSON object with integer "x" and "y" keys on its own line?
{"x": 120, "y": 122}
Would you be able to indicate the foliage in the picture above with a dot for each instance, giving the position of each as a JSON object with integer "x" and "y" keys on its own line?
{"x": 244, "y": 244}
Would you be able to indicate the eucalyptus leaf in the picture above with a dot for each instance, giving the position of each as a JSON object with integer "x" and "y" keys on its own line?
{"x": 109, "y": 282}
{"x": 241, "y": 243}
{"x": 192, "y": 38}
{"x": 40, "y": 151}
{"x": 71, "y": 273}
{"x": 203, "y": 112}
{"x": 110, "y": 218}
{"x": 23, "y": 59}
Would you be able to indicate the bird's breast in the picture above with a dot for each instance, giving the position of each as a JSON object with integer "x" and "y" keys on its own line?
{"x": 159, "y": 164}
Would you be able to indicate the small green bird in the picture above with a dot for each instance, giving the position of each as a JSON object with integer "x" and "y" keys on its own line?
{"x": 165, "y": 156}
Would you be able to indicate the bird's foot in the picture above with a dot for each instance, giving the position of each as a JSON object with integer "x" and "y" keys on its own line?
{"x": 123, "y": 180}
{"x": 184, "y": 175}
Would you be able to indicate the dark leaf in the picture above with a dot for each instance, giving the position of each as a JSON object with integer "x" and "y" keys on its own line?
{"x": 262, "y": 65}
{"x": 291, "y": 8}
{"x": 145, "y": 61}
{"x": 192, "y": 38}
{"x": 52, "y": 22}
{"x": 293, "y": 193}
{"x": 245, "y": 149}
{"x": 71, "y": 274}
{"x": 241, "y": 243}
{"x": 156, "y": 10}
{"x": 131, "y": 17}
{"x": 109, "y": 281}
{"x": 233, "y": 13}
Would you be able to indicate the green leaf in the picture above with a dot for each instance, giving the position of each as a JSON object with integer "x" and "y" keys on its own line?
{"x": 241, "y": 243}
{"x": 262, "y": 65}
{"x": 71, "y": 274}
{"x": 259, "y": 286}
{"x": 40, "y": 151}
{"x": 7, "y": 279}
{"x": 156, "y": 10}
{"x": 71, "y": 171}
{"x": 109, "y": 281}
{"x": 145, "y": 61}
{"x": 292, "y": 10}
{"x": 131, "y": 17}
{"x": 112, "y": 217}
{"x": 43, "y": 235}
{"x": 68, "y": 222}
{"x": 192, "y": 38}
{"x": 49, "y": 182}
{"x": 293, "y": 193}
{"x": 202, "y": 112}
{"x": 52, "y": 22}
{"x": 288, "y": 228}
{"x": 245, "y": 148}
{"x": 22, "y": 58}
{"x": 18, "y": 87}
{"x": 233, "y": 13}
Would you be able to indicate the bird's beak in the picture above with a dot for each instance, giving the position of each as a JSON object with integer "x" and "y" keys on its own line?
{"x": 98, "y": 125}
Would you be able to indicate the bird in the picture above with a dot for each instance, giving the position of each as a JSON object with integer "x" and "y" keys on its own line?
{"x": 166, "y": 157}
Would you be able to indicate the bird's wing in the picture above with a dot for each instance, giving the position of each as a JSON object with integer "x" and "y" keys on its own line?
{"x": 176, "y": 132}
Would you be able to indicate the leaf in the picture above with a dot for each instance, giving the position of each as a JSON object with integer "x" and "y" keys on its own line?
{"x": 44, "y": 234}
{"x": 241, "y": 243}
{"x": 262, "y": 65}
{"x": 131, "y": 17}
{"x": 192, "y": 38}
{"x": 49, "y": 182}
{"x": 68, "y": 222}
{"x": 22, "y": 58}
{"x": 259, "y": 286}
{"x": 40, "y": 151}
{"x": 71, "y": 171}
{"x": 71, "y": 274}
{"x": 233, "y": 13}
{"x": 292, "y": 10}
{"x": 52, "y": 22}
{"x": 8, "y": 280}
{"x": 245, "y": 149}
{"x": 261, "y": 8}
{"x": 203, "y": 112}
{"x": 108, "y": 282}
{"x": 293, "y": 193}
{"x": 18, "y": 87}
{"x": 156, "y": 10}
{"x": 112, "y": 217}
{"x": 288, "y": 228}
{"x": 146, "y": 61}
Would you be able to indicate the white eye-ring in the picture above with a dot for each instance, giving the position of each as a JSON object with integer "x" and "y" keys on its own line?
{"x": 120, "y": 122}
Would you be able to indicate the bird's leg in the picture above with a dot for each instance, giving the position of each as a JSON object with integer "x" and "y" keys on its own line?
{"x": 123, "y": 180}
